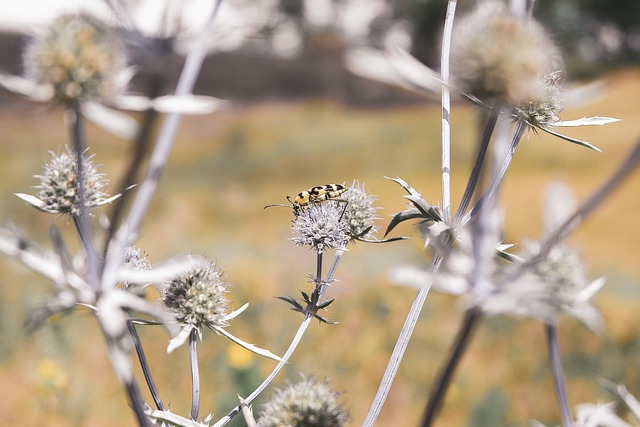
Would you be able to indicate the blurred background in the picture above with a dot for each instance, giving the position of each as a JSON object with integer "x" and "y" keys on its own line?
{"x": 298, "y": 118}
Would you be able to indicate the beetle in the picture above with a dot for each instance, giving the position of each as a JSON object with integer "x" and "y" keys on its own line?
{"x": 316, "y": 194}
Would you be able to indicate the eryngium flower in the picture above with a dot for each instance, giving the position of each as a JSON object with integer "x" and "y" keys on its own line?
{"x": 197, "y": 297}
{"x": 58, "y": 188}
{"x": 360, "y": 212}
{"x": 495, "y": 56}
{"x": 79, "y": 57}
{"x": 308, "y": 403}
{"x": 322, "y": 226}
{"x": 552, "y": 287}
{"x": 544, "y": 111}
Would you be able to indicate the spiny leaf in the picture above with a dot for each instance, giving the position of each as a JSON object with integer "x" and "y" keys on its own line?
{"x": 572, "y": 140}
{"x": 402, "y": 216}
{"x": 587, "y": 121}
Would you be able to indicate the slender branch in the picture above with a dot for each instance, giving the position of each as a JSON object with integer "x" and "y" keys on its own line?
{"x": 477, "y": 167}
{"x": 137, "y": 403}
{"x": 630, "y": 163}
{"x": 128, "y": 231}
{"x": 81, "y": 220}
{"x": 195, "y": 374}
{"x": 287, "y": 355}
{"x": 400, "y": 348}
{"x": 141, "y": 147}
{"x": 482, "y": 240}
{"x": 555, "y": 360}
{"x": 285, "y": 359}
{"x": 446, "y": 110}
{"x": 319, "y": 269}
{"x": 471, "y": 320}
{"x": 499, "y": 176}
{"x": 144, "y": 364}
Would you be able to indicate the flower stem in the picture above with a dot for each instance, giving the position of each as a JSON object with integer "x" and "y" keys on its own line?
{"x": 195, "y": 374}
{"x": 555, "y": 361}
{"x": 127, "y": 232}
{"x": 474, "y": 177}
{"x": 144, "y": 364}
{"x": 497, "y": 179}
{"x": 141, "y": 147}
{"x": 287, "y": 355}
{"x": 399, "y": 349}
{"x": 81, "y": 220}
{"x": 463, "y": 338}
{"x": 446, "y": 110}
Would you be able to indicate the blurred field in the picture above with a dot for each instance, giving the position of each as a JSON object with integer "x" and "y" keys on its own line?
{"x": 223, "y": 171}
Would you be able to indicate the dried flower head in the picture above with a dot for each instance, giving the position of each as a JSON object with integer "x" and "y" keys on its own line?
{"x": 307, "y": 403}
{"x": 322, "y": 226}
{"x": 551, "y": 287}
{"x": 360, "y": 212}
{"x": 136, "y": 259}
{"x": 197, "y": 297}
{"x": 495, "y": 56}
{"x": 545, "y": 110}
{"x": 58, "y": 188}
{"x": 79, "y": 57}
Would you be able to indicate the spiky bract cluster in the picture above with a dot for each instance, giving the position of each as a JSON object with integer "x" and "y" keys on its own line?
{"x": 79, "y": 57}
{"x": 197, "y": 297}
{"x": 321, "y": 226}
{"x": 307, "y": 403}
{"x": 496, "y": 56}
{"x": 360, "y": 212}
{"x": 58, "y": 188}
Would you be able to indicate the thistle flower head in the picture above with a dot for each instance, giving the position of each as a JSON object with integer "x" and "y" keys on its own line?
{"x": 360, "y": 211}
{"x": 79, "y": 58}
{"x": 495, "y": 56}
{"x": 545, "y": 110}
{"x": 197, "y": 297}
{"x": 553, "y": 286}
{"x": 307, "y": 403}
{"x": 136, "y": 259}
{"x": 58, "y": 188}
{"x": 321, "y": 226}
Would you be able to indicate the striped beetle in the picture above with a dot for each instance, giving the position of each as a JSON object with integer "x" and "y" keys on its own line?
{"x": 316, "y": 194}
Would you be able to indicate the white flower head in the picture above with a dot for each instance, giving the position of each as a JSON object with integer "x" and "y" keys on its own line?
{"x": 322, "y": 226}
{"x": 553, "y": 286}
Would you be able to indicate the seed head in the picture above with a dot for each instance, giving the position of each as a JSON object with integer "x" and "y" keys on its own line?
{"x": 544, "y": 111}
{"x": 554, "y": 286}
{"x": 197, "y": 297}
{"x": 360, "y": 211}
{"x": 495, "y": 56}
{"x": 79, "y": 57}
{"x": 321, "y": 226}
{"x": 307, "y": 403}
{"x": 58, "y": 188}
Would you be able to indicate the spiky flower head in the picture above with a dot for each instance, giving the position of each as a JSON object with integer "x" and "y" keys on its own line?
{"x": 544, "y": 111}
{"x": 360, "y": 211}
{"x": 307, "y": 403}
{"x": 58, "y": 191}
{"x": 553, "y": 286}
{"x": 322, "y": 226}
{"x": 79, "y": 57}
{"x": 197, "y": 297}
{"x": 135, "y": 259}
{"x": 496, "y": 56}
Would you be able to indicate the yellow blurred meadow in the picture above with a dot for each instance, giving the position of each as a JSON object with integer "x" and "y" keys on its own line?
{"x": 225, "y": 168}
